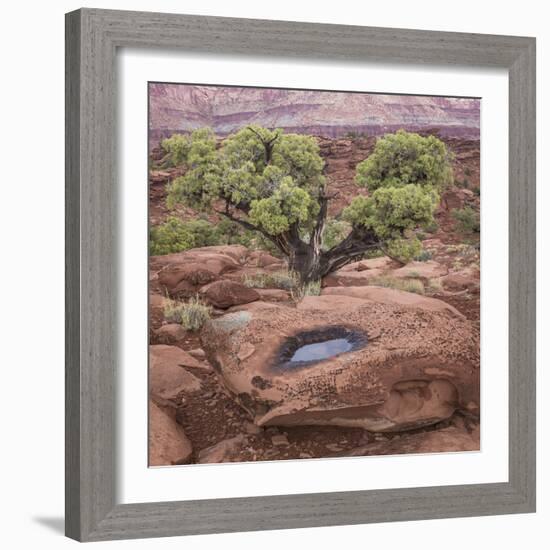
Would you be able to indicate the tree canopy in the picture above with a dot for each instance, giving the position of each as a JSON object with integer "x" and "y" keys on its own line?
{"x": 273, "y": 182}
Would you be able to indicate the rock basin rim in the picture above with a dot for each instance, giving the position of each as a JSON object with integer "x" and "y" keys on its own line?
{"x": 292, "y": 351}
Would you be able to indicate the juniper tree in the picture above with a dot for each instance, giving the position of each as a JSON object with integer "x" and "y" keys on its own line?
{"x": 273, "y": 182}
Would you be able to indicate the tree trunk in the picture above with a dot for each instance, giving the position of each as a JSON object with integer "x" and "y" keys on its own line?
{"x": 306, "y": 262}
{"x": 312, "y": 264}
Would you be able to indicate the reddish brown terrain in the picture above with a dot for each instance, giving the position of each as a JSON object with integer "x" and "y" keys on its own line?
{"x": 216, "y": 393}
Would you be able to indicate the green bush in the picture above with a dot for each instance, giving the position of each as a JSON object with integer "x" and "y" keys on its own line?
{"x": 432, "y": 227}
{"x": 312, "y": 288}
{"x": 466, "y": 219}
{"x": 169, "y": 237}
{"x": 191, "y": 315}
{"x": 335, "y": 232}
{"x": 434, "y": 285}
{"x": 404, "y": 250}
{"x": 424, "y": 256}
{"x": 284, "y": 280}
{"x": 175, "y": 235}
{"x": 408, "y": 285}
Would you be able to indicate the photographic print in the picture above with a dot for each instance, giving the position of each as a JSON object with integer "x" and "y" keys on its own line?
{"x": 314, "y": 274}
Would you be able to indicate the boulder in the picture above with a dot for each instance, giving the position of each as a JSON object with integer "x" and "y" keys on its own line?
{"x": 405, "y": 367}
{"x": 261, "y": 259}
{"x": 391, "y": 296}
{"x": 273, "y": 294}
{"x": 227, "y": 450}
{"x": 445, "y": 440}
{"x": 237, "y": 252}
{"x": 184, "y": 280}
{"x": 197, "y": 266}
{"x": 383, "y": 262}
{"x": 170, "y": 333}
{"x": 168, "y": 444}
{"x": 466, "y": 279}
{"x": 345, "y": 277}
{"x": 420, "y": 270}
{"x": 167, "y": 377}
{"x": 223, "y": 294}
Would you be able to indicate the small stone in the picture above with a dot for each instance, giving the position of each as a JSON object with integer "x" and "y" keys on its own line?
{"x": 252, "y": 429}
{"x": 247, "y": 349}
{"x": 197, "y": 353}
{"x": 280, "y": 440}
{"x": 304, "y": 455}
{"x": 333, "y": 447}
{"x": 170, "y": 333}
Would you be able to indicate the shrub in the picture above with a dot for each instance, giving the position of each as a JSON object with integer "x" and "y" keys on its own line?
{"x": 373, "y": 253}
{"x": 404, "y": 250}
{"x": 434, "y": 285}
{"x": 466, "y": 219}
{"x": 279, "y": 279}
{"x": 424, "y": 256}
{"x": 205, "y": 233}
{"x": 191, "y": 315}
{"x": 335, "y": 232}
{"x": 171, "y": 236}
{"x": 477, "y": 191}
{"x": 421, "y": 236}
{"x": 432, "y": 227}
{"x": 312, "y": 288}
{"x": 408, "y": 285}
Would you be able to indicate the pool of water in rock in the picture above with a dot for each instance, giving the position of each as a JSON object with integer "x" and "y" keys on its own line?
{"x": 308, "y": 348}
{"x": 321, "y": 350}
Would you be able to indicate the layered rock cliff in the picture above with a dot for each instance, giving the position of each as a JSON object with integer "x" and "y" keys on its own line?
{"x": 180, "y": 107}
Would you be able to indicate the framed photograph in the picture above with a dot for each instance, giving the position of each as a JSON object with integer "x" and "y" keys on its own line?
{"x": 300, "y": 275}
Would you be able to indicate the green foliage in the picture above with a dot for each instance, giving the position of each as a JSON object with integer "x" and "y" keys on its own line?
{"x": 276, "y": 188}
{"x": 191, "y": 315}
{"x": 373, "y": 253}
{"x": 477, "y": 191}
{"x": 391, "y": 211}
{"x": 204, "y": 233}
{"x": 432, "y": 227}
{"x": 285, "y": 280}
{"x": 404, "y": 175}
{"x": 424, "y": 256}
{"x": 403, "y": 158}
{"x": 272, "y": 182}
{"x": 335, "y": 232}
{"x": 404, "y": 250}
{"x": 176, "y": 235}
{"x": 408, "y": 285}
{"x": 177, "y": 146}
{"x": 313, "y": 288}
{"x": 466, "y": 219}
{"x": 171, "y": 236}
{"x": 434, "y": 285}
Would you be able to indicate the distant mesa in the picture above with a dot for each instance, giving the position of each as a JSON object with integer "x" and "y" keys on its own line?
{"x": 181, "y": 108}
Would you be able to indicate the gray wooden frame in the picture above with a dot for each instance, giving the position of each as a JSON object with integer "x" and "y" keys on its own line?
{"x": 92, "y": 38}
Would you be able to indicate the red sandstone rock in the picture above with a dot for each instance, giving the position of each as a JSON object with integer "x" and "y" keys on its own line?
{"x": 223, "y": 294}
{"x": 418, "y": 366}
{"x": 168, "y": 443}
